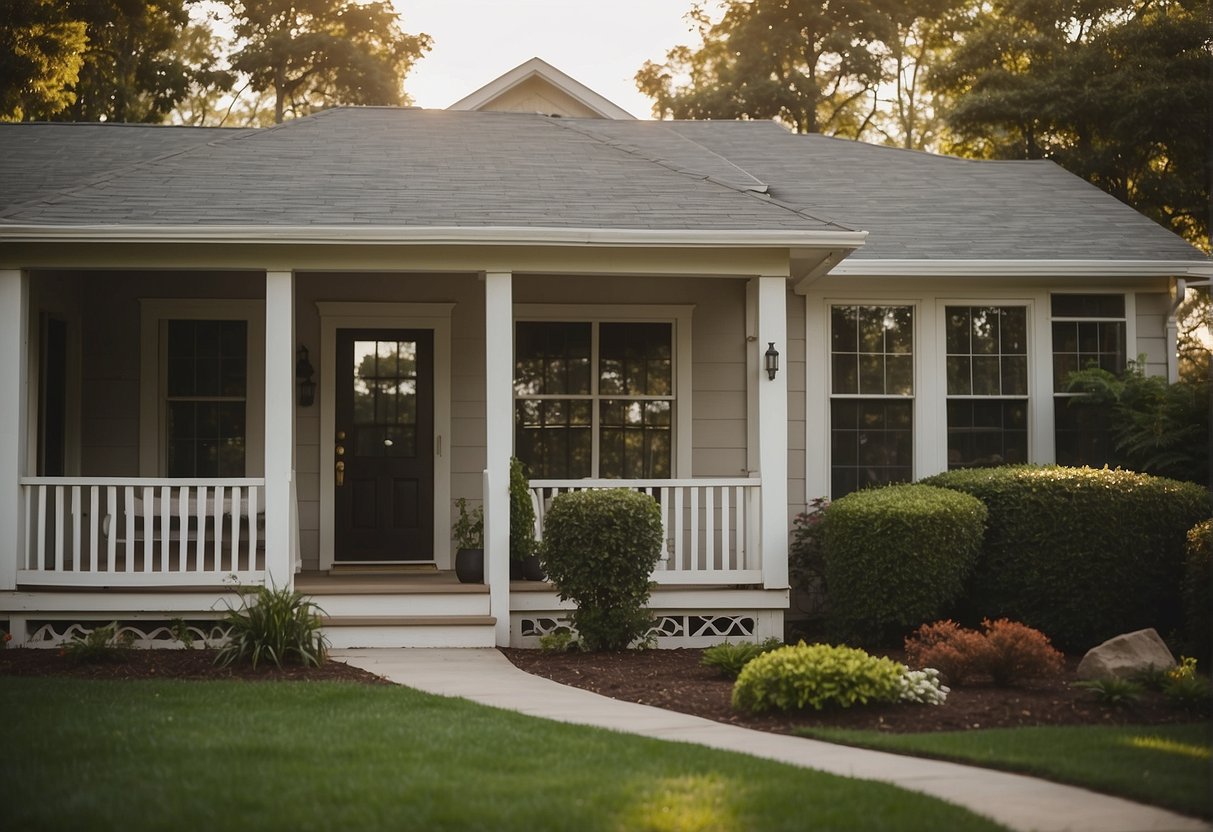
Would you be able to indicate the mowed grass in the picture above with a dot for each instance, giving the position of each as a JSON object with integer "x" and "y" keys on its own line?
{"x": 172, "y": 755}
{"x": 1165, "y": 765}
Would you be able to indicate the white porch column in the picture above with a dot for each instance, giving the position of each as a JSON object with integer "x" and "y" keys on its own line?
{"x": 499, "y": 442}
{"x": 279, "y": 425}
{"x": 14, "y": 399}
{"x": 772, "y": 328}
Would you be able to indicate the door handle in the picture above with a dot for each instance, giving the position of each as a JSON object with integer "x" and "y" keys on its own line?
{"x": 340, "y": 471}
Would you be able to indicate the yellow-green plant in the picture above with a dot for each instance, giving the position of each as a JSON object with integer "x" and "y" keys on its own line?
{"x": 814, "y": 676}
{"x": 280, "y": 625}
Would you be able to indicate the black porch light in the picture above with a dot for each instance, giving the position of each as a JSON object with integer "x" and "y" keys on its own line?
{"x": 772, "y": 357}
{"x": 303, "y": 378}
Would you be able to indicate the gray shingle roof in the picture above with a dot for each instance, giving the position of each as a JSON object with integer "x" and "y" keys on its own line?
{"x": 409, "y": 168}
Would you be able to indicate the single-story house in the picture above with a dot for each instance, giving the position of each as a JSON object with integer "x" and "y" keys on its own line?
{"x": 244, "y": 356}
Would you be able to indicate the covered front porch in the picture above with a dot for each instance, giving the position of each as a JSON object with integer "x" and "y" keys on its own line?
{"x": 98, "y": 527}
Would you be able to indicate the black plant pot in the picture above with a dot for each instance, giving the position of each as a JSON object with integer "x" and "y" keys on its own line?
{"x": 533, "y": 569}
{"x": 469, "y": 566}
{"x": 516, "y": 571}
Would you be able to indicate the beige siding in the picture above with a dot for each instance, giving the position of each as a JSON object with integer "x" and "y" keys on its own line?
{"x": 1152, "y": 311}
{"x": 792, "y": 362}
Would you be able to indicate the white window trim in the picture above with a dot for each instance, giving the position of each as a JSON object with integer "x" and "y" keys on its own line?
{"x": 335, "y": 315}
{"x": 919, "y": 401}
{"x": 1040, "y": 374}
{"x": 154, "y": 315}
{"x": 679, "y": 316}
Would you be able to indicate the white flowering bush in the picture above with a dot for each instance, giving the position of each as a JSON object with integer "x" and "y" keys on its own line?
{"x": 923, "y": 687}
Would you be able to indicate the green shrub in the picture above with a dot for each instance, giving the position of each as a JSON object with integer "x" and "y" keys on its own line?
{"x": 1080, "y": 553}
{"x": 729, "y": 658}
{"x": 102, "y": 644}
{"x": 1198, "y": 591}
{"x": 275, "y": 624}
{"x": 599, "y": 548}
{"x": 522, "y": 513}
{"x": 816, "y": 675}
{"x": 806, "y": 558}
{"x": 1113, "y": 691}
{"x": 896, "y": 556}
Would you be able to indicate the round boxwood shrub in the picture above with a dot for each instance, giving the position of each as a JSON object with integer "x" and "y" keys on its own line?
{"x": 1082, "y": 554}
{"x": 599, "y": 548}
{"x": 897, "y": 556}
{"x": 1198, "y": 592}
{"x": 814, "y": 676}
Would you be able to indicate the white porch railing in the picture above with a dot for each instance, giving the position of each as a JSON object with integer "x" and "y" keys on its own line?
{"x": 710, "y": 526}
{"x": 135, "y": 531}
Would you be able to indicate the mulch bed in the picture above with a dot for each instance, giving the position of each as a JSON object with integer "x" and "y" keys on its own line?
{"x": 672, "y": 679}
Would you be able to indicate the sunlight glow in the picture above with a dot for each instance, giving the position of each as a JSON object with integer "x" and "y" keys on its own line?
{"x": 1199, "y": 752}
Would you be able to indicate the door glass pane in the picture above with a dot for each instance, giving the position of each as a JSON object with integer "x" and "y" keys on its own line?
{"x": 385, "y": 398}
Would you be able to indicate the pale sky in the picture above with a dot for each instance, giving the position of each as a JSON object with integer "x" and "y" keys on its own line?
{"x": 601, "y": 43}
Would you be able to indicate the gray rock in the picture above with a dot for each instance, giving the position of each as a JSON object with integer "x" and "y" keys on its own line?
{"x": 1125, "y": 655}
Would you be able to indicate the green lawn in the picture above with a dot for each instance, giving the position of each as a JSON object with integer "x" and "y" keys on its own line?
{"x": 216, "y": 756}
{"x": 1167, "y": 765}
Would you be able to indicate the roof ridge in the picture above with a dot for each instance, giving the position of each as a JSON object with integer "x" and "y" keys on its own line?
{"x": 105, "y": 176}
{"x": 634, "y": 150}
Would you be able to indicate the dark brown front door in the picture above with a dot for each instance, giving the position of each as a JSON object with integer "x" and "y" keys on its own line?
{"x": 385, "y": 437}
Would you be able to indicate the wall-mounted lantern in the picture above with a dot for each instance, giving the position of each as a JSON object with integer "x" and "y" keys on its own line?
{"x": 303, "y": 378}
{"x": 772, "y": 357}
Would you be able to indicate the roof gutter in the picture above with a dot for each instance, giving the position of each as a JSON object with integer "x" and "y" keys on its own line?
{"x": 460, "y": 235}
{"x": 1023, "y": 268}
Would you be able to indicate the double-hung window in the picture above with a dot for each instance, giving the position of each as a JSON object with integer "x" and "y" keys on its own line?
{"x": 871, "y": 396}
{"x": 1088, "y": 330}
{"x": 595, "y": 398}
{"x": 987, "y": 377}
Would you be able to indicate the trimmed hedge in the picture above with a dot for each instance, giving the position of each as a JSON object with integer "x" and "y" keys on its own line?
{"x": 897, "y": 556}
{"x": 816, "y": 675}
{"x": 599, "y": 548}
{"x": 1082, "y": 554}
{"x": 1198, "y": 592}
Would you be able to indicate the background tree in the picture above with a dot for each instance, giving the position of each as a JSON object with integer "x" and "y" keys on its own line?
{"x": 130, "y": 71}
{"x": 208, "y": 100}
{"x": 811, "y": 64}
{"x": 315, "y": 53}
{"x": 40, "y": 58}
{"x": 1115, "y": 91}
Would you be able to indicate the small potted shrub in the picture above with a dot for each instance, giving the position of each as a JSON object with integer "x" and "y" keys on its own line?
{"x": 468, "y": 531}
{"x": 524, "y": 553}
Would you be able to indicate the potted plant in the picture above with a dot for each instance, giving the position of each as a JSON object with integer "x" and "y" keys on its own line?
{"x": 524, "y": 557}
{"x": 468, "y": 531}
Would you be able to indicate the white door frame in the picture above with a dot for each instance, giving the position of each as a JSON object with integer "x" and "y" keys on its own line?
{"x": 335, "y": 315}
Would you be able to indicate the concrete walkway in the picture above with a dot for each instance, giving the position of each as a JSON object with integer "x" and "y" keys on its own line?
{"x": 1022, "y": 803}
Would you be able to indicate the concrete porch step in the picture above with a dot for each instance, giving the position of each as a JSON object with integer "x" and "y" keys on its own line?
{"x": 349, "y": 631}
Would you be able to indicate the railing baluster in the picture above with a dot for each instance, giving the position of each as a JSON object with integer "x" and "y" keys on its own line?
{"x": 218, "y": 515}
{"x": 94, "y": 523}
{"x": 183, "y": 528}
{"x": 23, "y": 558}
{"x": 43, "y": 496}
{"x": 129, "y": 565}
{"x": 234, "y": 545}
{"x": 679, "y": 555}
{"x": 201, "y": 495}
{"x": 75, "y": 508}
{"x": 709, "y": 527}
{"x": 663, "y": 495}
{"x": 166, "y": 525}
{"x": 149, "y": 526}
{"x": 695, "y": 559}
{"x": 726, "y": 557}
{"x": 252, "y": 527}
{"x": 59, "y": 528}
{"x": 111, "y": 540}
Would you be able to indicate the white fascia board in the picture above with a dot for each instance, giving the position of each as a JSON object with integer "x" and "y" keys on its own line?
{"x": 471, "y": 235}
{"x": 1022, "y": 268}
{"x": 537, "y": 67}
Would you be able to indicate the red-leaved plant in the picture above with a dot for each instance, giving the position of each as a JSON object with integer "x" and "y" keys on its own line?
{"x": 1007, "y": 652}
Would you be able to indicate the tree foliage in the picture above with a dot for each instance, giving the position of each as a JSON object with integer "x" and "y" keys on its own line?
{"x": 41, "y": 52}
{"x": 316, "y": 53}
{"x": 817, "y": 66}
{"x": 1115, "y": 91}
{"x": 130, "y": 69}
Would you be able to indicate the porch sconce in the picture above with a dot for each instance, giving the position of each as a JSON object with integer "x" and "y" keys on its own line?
{"x": 303, "y": 378}
{"x": 772, "y": 356}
